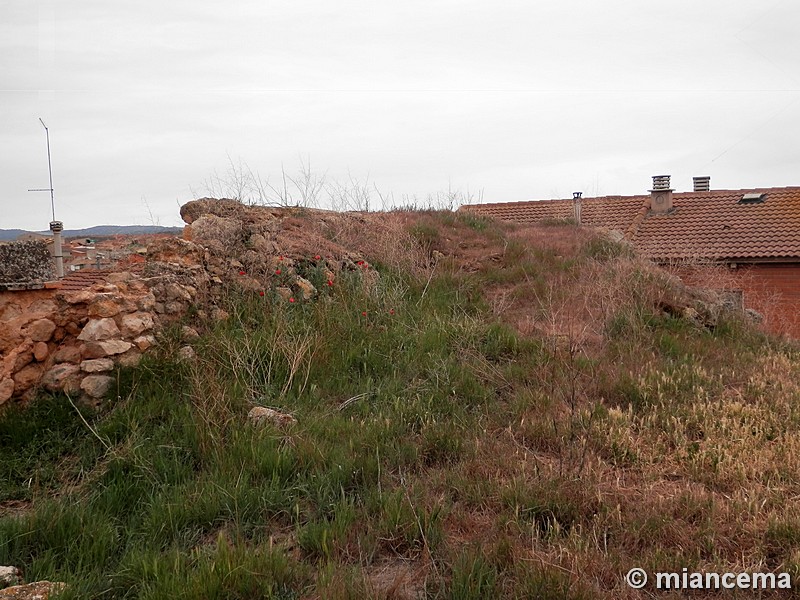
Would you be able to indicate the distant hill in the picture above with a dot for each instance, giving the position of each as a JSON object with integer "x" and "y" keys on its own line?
{"x": 96, "y": 231}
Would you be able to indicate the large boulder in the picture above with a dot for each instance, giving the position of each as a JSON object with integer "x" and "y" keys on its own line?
{"x": 225, "y": 207}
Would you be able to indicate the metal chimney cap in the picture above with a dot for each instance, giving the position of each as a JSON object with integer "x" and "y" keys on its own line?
{"x": 661, "y": 182}
{"x": 577, "y": 195}
{"x": 56, "y": 226}
{"x": 702, "y": 183}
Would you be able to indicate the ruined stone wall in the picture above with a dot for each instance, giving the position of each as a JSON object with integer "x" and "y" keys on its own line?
{"x": 72, "y": 341}
{"x": 25, "y": 262}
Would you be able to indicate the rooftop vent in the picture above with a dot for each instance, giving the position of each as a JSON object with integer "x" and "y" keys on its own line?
{"x": 661, "y": 194}
{"x": 702, "y": 184}
{"x": 660, "y": 183}
{"x": 754, "y": 198}
{"x": 576, "y": 206}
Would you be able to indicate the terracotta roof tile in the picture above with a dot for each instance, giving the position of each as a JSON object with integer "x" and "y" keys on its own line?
{"x": 712, "y": 225}
{"x": 78, "y": 280}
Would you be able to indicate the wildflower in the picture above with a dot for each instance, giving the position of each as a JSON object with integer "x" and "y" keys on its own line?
{"x": 359, "y": 263}
{"x": 242, "y": 273}
{"x": 364, "y": 314}
{"x": 391, "y": 311}
{"x": 261, "y": 293}
{"x": 277, "y": 271}
{"x": 330, "y": 283}
{"x": 280, "y": 258}
{"x": 291, "y": 300}
{"x": 317, "y": 257}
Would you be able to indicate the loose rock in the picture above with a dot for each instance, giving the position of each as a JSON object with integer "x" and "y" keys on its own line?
{"x": 39, "y": 590}
{"x": 259, "y": 415}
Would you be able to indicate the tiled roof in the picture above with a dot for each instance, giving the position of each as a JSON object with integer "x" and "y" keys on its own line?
{"x": 78, "y": 280}
{"x": 712, "y": 225}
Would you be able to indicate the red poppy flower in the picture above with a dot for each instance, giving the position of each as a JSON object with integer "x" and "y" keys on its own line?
{"x": 242, "y": 273}
{"x": 330, "y": 283}
{"x": 317, "y": 257}
{"x": 261, "y": 293}
{"x": 391, "y": 311}
{"x": 280, "y": 258}
{"x": 364, "y": 314}
{"x": 277, "y": 271}
{"x": 361, "y": 262}
{"x": 291, "y": 299}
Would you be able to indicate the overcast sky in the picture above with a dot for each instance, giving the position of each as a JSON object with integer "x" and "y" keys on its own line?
{"x": 145, "y": 100}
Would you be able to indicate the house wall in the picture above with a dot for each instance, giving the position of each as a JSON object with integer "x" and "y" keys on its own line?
{"x": 772, "y": 289}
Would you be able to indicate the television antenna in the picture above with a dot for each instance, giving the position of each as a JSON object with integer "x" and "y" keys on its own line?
{"x": 50, "y": 172}
{"x": 55, "y": 226}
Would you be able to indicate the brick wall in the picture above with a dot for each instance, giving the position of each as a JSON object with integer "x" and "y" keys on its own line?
{"x": 773, "y": 289}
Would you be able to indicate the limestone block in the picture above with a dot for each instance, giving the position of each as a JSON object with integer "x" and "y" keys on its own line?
{"x": 174, "y": 308}
{"x": 24, "y": 357}
{"x": 189, "y": 334}
{"x": 130, "y": 359}
{"x": 67, "y": 354}
{"x": 96, "y": 386}
{"x": 136, "y": 323}
{"x": 104, "y": 348}
{"x": 97, "y": 365}
{"x": 147, "y": 302}
{"x": 103, "y": 308}
{"x": 143, "y": 342}
{"x": 99, "y": 329}
{"x": 38, "y": 590}
{"x": 6, "y": 389}
{"x": 260, "y": 415}
{"x": 55, "y": 378}
{"x": 177, "y": 292}
{"x": 27, "y": 377}
{"x": 40, "y": 351}
{"x": 186, "y": 353}
{"x": 41, "y": 330}
{"x": 305, "y": 288}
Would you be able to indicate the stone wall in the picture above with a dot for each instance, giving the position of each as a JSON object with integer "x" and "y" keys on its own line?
{"x": 25, "y": 262}
{"x": 72, "y": 341}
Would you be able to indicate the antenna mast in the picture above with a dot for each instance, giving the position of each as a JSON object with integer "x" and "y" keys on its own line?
{"x": 55, "y": 226}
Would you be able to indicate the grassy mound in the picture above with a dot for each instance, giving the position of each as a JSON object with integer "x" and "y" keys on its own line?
{"x": 515, "y": 418}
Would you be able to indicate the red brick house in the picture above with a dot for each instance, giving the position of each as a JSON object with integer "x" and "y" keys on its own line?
{"x": 754, "y": 233}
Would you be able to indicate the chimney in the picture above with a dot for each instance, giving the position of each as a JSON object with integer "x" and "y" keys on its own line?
{"x": 576, "y": 207}
{"x": 57, "y": 227}
{"x": 661, "y": 194}
{"x": 702, "y": 184}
